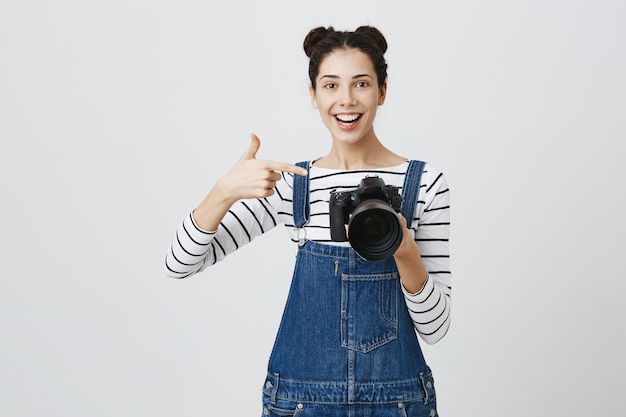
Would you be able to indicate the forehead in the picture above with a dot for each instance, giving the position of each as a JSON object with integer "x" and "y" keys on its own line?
{"x": 346, "y": 63}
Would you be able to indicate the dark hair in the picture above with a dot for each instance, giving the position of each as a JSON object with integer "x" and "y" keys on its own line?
{"x": 321, "y": 41}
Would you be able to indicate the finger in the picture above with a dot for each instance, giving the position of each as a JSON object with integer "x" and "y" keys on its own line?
{"x": 274, "y": 176}
{"x": 270, "y": 184}
{"x": 402, "y": 220}
{"x": 255, "y": 144}
{"x": 285, "y": 167}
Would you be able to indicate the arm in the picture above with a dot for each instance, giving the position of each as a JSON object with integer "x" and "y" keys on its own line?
{"x": 423, "y": 260}
{"x": 235, "y": 211}
{"x": 193, "y": 249}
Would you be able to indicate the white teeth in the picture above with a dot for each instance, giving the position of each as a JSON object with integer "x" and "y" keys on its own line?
{"x": 347, "y": 117}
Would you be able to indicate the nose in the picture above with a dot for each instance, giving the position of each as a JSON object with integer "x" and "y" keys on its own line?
{"x": 347, "y": 97}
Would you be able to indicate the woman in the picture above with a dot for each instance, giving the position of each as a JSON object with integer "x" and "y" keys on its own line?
{"x": 347, "y": 344}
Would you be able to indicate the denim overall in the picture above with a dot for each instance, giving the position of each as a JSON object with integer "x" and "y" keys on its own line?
{"x": 346, "y": 346}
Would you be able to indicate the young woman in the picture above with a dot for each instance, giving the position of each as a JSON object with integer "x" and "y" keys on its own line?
{"x": 348, "y": 340}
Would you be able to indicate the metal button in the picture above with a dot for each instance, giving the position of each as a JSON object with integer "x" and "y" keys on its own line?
{"x": 400, "y": 405}
{"x": 265, "y": 412}
{"x": 268, "y": 384}
{"x": 432, "y": 413}
{"x": 429, "y": 385}
{"x": 300, "y": 406}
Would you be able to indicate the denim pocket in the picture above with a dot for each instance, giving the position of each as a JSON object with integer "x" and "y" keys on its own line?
{"x": 369, "y": 310}
{"x": 274, "y": 411}
{"x": 417, "y": 409}
{"x": 281, "y": 408}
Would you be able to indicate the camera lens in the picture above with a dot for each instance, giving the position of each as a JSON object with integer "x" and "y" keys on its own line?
{"x": 374, "y": 230}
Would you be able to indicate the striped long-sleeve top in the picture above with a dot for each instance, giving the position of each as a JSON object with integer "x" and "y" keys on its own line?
{"x": 193, "y": 249}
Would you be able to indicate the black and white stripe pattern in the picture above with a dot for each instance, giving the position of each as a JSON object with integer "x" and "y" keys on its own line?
{"x": 194, "y": 249}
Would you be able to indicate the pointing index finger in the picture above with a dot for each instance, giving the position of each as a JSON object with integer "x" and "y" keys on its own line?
{"x": 285, "y": 167}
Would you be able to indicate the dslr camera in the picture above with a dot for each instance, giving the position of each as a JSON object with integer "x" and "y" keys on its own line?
{"x": 370, "y": 211}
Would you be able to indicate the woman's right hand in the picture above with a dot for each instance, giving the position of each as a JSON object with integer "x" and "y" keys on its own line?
{"x": 249, "y": 178}
{"x": 255, "y": 178}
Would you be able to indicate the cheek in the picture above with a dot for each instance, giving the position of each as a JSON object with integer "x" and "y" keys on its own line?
{"x": 322, "y": 104}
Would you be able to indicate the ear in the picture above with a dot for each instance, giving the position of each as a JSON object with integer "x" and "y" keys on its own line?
{"x": 383, "y": 94}
{"x": 313, "y": 97}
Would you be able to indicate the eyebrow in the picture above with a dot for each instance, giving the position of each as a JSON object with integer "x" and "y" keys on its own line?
{"x": 354, "y": 77}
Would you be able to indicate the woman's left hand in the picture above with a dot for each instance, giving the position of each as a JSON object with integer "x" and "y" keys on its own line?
{"x": 409, "y": 262}
{"x": 408, "y": 247}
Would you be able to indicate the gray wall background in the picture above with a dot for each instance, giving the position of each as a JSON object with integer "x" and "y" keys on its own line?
{"x": 117, "y": 116}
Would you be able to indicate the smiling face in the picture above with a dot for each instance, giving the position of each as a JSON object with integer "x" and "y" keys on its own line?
{"x": 347, "y": 95}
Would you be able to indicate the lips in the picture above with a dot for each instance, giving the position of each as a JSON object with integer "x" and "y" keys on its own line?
{"x": 347, "y": 121}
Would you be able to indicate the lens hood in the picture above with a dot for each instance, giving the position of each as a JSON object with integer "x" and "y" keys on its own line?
{"x": 374, "y": 230}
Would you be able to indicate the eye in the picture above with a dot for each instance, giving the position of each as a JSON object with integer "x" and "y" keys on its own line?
{"x": 330, "y": 85}
{"x": 362, "y": 84}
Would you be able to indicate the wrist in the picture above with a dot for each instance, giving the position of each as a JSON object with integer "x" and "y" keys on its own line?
{"x": 222, "y": 194}
{"x": 214, "y": 207}
{"x": 407, "y": 250}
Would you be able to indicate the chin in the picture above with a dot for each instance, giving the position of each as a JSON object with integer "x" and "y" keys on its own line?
{"x": 348, "y": 139}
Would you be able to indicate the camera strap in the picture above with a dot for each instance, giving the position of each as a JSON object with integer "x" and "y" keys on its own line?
{"x": 411, "y": 189}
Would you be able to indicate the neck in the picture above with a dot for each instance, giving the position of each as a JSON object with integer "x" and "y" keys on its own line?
{"x": 361, "y": 155}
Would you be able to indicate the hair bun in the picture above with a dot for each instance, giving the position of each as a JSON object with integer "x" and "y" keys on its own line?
{"x": 375, "y": 34}
{"x": 322, "y": 41}
{"x": 314, "y": 37}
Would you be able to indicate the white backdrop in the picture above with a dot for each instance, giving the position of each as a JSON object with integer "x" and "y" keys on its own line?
{"x": 117, "y": 116}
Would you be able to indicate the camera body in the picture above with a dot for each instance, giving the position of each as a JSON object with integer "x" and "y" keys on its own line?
{"x": 370, "y": 212}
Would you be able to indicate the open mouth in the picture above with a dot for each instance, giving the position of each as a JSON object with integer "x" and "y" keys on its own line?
{"x": 348, "y": 119}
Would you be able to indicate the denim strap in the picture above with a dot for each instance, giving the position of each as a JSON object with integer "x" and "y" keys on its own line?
{"x": 301, "y": 197}
{"x": 411, "y": 189}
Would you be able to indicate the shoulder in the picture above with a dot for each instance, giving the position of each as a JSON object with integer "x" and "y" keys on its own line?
{"x": 432, "y": 179}
{"x": 432, "y": 170}
{"x": 431, "y": 173}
